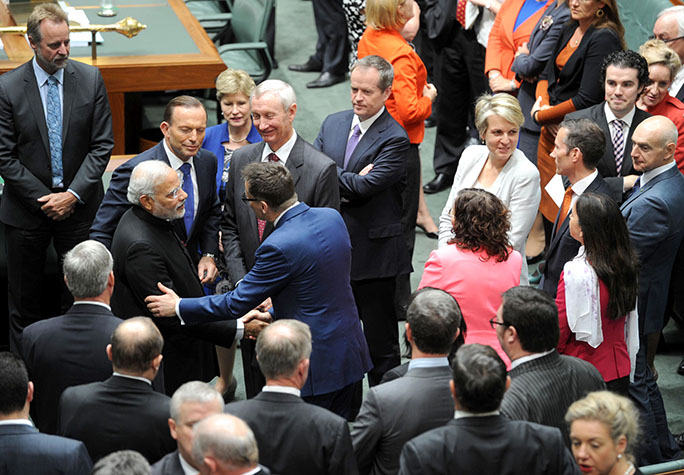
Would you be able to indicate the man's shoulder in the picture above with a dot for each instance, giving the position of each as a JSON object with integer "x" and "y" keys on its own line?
{"x": 16, "y": 74}
{"x": 246, "y": 154}
{"x": 591, "y": 112}
{"x": 169, "y": 464}
{"x": 49, "y": 444}
{"x": 311, "y": 156}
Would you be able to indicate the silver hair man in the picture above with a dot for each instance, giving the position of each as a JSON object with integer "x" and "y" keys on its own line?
{"x": 280, "y": 88}
{"x": 223, "y": 442}
{"x": 281, "y": 346}
{"x": 87, "y": 268}
{"x": 145, "y": 178}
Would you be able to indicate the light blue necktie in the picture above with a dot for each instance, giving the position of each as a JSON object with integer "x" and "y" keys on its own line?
{"x": 54, "y": 124}
{"x": 190, "y": 201}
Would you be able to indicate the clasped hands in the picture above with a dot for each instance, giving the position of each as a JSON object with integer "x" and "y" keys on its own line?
{"x": 58, "y": 206}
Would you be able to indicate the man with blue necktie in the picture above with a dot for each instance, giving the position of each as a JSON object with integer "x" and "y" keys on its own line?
{"x": 55, "y": 142}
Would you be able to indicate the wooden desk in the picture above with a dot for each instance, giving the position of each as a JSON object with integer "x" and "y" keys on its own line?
{"x": 196, "y": 68}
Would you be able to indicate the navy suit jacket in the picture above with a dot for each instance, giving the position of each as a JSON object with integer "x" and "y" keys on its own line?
{"x": 204, "y": 231}
{"x": 655, "y": 219}
{"x": 371, "y": 204}
{"x": 66, "y": 351}
{"x": 606, "y": 166}
{"x": 564, "y": 247}
{"x": 25, "y": 450}
{"x": 304, "y": 267}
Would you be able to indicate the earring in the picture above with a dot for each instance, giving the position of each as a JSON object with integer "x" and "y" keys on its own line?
{"x": 619, "y": 456}
{"x": 599, "y": 13}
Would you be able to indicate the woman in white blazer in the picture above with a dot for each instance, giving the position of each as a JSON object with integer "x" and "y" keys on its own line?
{"x": 500, "y": 168}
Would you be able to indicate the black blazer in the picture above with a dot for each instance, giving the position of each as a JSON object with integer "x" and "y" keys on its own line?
{"x": 117, "y": 414}
{"x": 563, "y": 247}
{"x": 371, "y": 204}
{"x": 579, "y": 79}
{"x": 295, "y": 437}
{"x": 490, "y": 444}
{"x": 25, "y": 450}
{"x": 168, "y": 465}
{"x": 66, "y": 351}
{"x": 316, "y": 185}
{"x": 87, "y": 143}
{"x": 606, "y": 166}
{"x": 204, "y": 232}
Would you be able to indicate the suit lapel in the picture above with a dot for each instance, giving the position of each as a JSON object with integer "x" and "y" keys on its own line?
{"x": 371, "y": 136}
{"x": 203, "y": 172}
{"x": 608, "y": 157}
{"x": 296, "y": 160}
{"x": 338, "y": 145}
{"x": 651, "y": 183}
{"x": 70, "y": 88}
{"x": 33, "y": 98}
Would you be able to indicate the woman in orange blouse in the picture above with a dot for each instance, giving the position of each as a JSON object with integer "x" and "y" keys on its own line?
{"x": 570, "y": 80}
{"x": 410, "y": 102}
{"x": 663, "y": 64}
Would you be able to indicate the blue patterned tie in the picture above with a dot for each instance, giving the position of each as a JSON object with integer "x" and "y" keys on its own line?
{"x": 54, "y": 124}
{"x": 190, "y": 201}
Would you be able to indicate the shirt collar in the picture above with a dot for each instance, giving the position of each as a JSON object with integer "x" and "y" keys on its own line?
{"x": 139, "y": 378}
{"x": 366, "y": 124}
{"x": 281, "y": 389}
{"x": 579, "y": 187}
{"x": 651, "y": 174}
{"x": 460, "y": 414}
{"x": 174, "y": 160}
{"x": 531, "y": 357}
{"x": 611, "y": 117}
{"x": 283, "y": 152}
{"x": 23, "y": 422}
{"x": 91, "y": 302}
{"x": 428, "y": 363}
{"x": 42, "y": 75}
{"x": 275, "y": 223}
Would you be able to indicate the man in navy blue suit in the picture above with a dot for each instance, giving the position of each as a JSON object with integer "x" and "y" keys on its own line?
{"x": 655, "y": 219}
{"x": 369, "y": 148}
{"x": 304, "y": 266}
{"x": 22, "y": 448}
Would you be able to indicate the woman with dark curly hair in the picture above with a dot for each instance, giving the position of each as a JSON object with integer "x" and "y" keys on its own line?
{"x": 597, "y": 292}
{"x": 478, "y": 265}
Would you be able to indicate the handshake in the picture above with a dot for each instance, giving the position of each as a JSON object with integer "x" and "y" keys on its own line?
{"x": 257, "y": 319}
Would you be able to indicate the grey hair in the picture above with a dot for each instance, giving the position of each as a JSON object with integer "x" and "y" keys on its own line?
{"x": 227, "y": 438}
{"x": 383, "y": 67}
{"x": 281, "y": 346}
{"x": 280, "y": 88}
{"x": 87, "y": 267}
{"x": 193, "y": 391}
{"x": 145, "y": 178}
{"x": 122, "y": 462}
{"x": 676, "y": 10}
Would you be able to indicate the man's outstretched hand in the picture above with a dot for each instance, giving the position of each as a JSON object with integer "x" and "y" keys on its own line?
{"x": 163, "y": 305}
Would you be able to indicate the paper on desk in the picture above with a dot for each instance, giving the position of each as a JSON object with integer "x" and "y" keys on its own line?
{"x": 79, "y": 16}
{"x": 556, "y": 190}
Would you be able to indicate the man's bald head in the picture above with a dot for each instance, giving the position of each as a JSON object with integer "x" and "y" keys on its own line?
{"x": 135, "y": 344}
{"x": 224, "y": 442}
{"x": 654, "y": 142}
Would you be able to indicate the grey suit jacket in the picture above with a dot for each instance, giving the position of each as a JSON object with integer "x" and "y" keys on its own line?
{"x": 542, "y": 389}
{"x": 315, "y": 179}
{"x": 606, "y": 166}
{"x": 395, "y": 412}
{"x": 87, "y": 143}
{"x": 168, "y": 465}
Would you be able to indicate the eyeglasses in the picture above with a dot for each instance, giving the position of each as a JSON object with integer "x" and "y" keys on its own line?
{"x": 174, "y": 193}
{"x": 654, "y": 37}
{"x": 493, "y": 322}
{"x": 247, "y": 200}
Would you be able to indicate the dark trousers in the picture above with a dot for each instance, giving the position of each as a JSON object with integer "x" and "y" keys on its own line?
{"x": 332, "y": 48}
{"x": 26, "y": 256}
{"x": 375, "y": 302}
{"x": 461, "y": 79}
{"x": 254, "y": 379}
{"x": 344, "y": 402}
{"x": 657, "y": 444}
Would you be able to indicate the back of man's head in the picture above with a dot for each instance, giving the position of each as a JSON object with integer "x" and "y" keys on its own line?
{"x": 534, "y": 315}
{"x": 434, "y": 318}
{"x": 86, "y": 269}
{"x": 14, "y": 383}
{"x": 587, "y": 136}
{"x": 281, "y": 347}
{"x": 123, "y": 462}
{"x": 479, "y": 378}
{"x": 271, "y": 183}
{"x": 194, "y": 391}
{"x": 135, "y": 344}
{"x": 223, "y": 442}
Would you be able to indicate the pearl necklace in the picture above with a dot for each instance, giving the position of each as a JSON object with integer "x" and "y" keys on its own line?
{"x": 629, "y": 469}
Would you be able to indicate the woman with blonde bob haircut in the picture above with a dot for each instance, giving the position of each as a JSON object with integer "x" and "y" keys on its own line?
{"x": 604, "y": 429}
{"x": 663, "y": 65}
{"x": 233, "y": 90}
{"x": 500, "y": 168}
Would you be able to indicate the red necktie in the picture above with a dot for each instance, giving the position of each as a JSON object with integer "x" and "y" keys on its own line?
{"x": 461, "y": 12}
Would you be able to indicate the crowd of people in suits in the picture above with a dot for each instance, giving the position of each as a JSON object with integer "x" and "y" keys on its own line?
{"x": 245, "y": 232}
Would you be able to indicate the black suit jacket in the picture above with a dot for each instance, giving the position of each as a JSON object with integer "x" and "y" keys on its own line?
{"x": 204, "y": 231}
{"x": 117, "y": 414}
{"x": 564, "y": 247}
{"x": 315, "y": 180}
{"x": 606, "y": 167}
{"x": 87, "y": 143}
{"x": 26, "y": 451}
{"x": 146, "y": 250}
{"x": 371, "y": 204}
{"x": 490, "y": 444}
{"x": 66, "y": 351}
{"x": 295, "y": 437}
{"x": 168, "y": 465}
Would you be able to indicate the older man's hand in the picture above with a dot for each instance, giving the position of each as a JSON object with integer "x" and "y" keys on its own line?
{"x": 162, "y": 305}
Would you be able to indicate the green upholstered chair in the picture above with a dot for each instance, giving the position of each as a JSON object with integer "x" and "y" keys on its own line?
{"x": 638, "y": 17}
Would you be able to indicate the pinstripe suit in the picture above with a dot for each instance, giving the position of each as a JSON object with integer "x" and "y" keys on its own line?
{"x": 542, "y": 389}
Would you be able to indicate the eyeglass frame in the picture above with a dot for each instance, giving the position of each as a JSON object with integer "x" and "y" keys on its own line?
{"x": 492, "y": 322}
{"x": 245, "y": 199}
{"x": 654, "y": 37}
